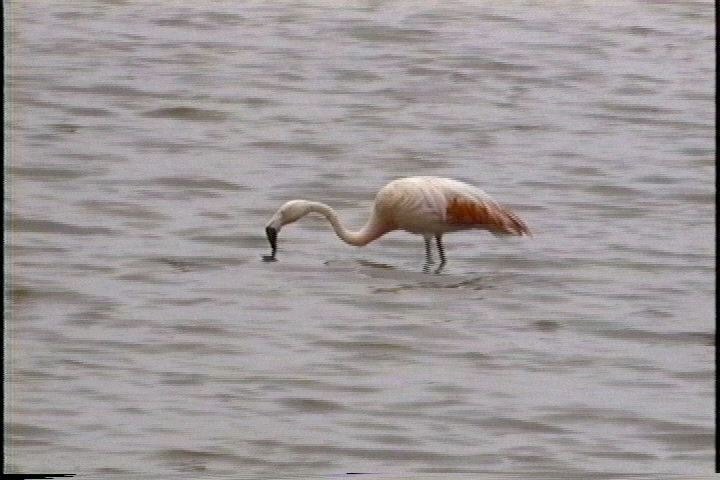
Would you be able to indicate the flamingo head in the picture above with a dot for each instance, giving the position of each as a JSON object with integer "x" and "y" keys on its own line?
{"x": 290, "y": 212}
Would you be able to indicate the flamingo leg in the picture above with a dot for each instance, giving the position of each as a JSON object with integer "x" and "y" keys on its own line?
{"x": 438, "y": 239}
{"x": 428, "y": 250}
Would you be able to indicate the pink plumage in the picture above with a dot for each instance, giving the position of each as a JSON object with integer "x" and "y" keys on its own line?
{"x": 428, "y": 206}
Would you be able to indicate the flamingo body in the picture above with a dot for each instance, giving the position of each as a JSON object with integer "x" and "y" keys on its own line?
{"x": 435, "y": 205}
{"x": 428, "y": 206}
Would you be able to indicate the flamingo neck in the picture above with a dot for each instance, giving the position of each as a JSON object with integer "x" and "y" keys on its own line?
{"x": 371, "y": 231}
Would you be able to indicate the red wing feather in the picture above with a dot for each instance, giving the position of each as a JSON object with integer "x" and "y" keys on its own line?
{"x": 495, "y": 218}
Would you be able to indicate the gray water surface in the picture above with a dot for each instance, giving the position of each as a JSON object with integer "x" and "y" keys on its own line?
{"x": 149, "y": 142}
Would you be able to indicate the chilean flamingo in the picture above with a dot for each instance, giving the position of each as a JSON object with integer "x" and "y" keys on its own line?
{"x": 428, "y": 206}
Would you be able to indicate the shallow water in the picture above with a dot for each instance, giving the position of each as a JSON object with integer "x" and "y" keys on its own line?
{"x": 150, "y": 142}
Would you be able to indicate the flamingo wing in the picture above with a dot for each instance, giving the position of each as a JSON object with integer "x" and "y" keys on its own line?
{"x": 469, "y": 207}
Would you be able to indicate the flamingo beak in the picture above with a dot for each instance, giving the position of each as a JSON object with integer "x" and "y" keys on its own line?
{"x": 271, "y": 233}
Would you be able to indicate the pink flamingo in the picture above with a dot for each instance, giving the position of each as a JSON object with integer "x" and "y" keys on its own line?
{"x": 427, "y": 206}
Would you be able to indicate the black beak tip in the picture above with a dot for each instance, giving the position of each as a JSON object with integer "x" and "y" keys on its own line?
{"x": 272, "y": 238}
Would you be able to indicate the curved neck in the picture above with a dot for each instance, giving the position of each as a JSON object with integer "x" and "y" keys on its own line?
{"x": 371, "y": 231}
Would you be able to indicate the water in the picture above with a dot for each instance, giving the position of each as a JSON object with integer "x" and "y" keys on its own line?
{"x": 150, "y": 142}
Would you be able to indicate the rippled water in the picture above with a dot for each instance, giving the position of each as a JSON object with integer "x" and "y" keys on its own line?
{"x": 150, "y": 142}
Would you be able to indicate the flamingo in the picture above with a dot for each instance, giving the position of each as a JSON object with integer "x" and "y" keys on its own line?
{"x": 427, "y": 206}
